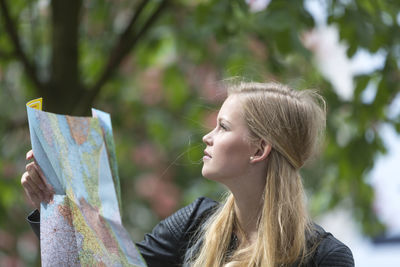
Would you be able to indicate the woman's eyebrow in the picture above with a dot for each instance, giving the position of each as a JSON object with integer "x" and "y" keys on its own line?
{"x": 225, "y": 121}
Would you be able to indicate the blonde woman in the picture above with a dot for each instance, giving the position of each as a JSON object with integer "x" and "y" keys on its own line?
{"x": 265, "y": 133}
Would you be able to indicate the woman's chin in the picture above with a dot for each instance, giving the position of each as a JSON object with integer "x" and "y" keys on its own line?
{"x": 206, "y": 174}
{"x": 209, "y": 175}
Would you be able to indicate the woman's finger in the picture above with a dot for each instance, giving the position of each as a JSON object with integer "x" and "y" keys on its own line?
{"x": 34, "y": 176}
{"x": 26, "y": 184}
{"x": 29, "y": 155}
{"x": 36, "y": 185}
{"x": 43, "y": 177}
{"x": 30, "y": 192}
{"x": 32, "y": 197}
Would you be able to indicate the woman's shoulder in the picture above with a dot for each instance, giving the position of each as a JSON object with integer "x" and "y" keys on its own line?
{"x": 189, "y": 218}
{"x": 185, "y": 222}
{"x": 330, "y": 251}
{"x": 167, "y": 243}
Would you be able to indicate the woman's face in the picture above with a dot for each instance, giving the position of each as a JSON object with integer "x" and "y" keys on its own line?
{"x": 227, "y": 154}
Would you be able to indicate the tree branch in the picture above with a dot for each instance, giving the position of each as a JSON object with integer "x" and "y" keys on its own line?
{"x": 125, "y": 44}
{"x": 19, "y": 52}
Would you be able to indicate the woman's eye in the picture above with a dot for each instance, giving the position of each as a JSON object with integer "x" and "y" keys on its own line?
{"x": 222, "y": 126}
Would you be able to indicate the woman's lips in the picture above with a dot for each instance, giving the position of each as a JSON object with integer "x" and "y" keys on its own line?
{"x": 206, "y": 155}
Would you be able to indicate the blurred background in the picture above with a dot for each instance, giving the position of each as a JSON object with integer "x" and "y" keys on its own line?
{"x": 159, "y": 68}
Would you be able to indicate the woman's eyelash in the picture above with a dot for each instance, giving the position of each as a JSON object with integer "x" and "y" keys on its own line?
{"x": 222, "y": 126}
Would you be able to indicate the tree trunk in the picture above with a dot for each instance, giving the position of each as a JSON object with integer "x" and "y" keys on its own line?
{"x": 64, "y": 88}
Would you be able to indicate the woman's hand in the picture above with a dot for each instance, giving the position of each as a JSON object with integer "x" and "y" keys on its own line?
{"x": 35, "y": 184}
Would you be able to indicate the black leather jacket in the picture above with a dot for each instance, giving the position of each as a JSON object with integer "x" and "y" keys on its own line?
{"x": 167, "y": 244}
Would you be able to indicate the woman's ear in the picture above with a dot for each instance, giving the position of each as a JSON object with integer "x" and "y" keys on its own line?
{"x": 262, "y": 152}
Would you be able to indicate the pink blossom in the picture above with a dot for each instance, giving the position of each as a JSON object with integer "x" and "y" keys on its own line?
{"x": 258, "y": 5}
{"x": 7, "y": 241}
{"x": 205, "y": 78}
{"x": 162, "y": 194}
{"x": 9, "y": 170}
{"x": 147, "y": 155}
{"x": 258, "y": 48}
{"x": 151, "y": 82}
{"x": 10, "y": 261}
{"x": 331, "y": 59}
{"x": 210, "y": 120}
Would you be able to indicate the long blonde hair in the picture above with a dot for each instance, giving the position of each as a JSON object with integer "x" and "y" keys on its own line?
{"x": 291, "y": 122}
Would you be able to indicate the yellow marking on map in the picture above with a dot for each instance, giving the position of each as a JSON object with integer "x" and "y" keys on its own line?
{"x": 35, "y": 103}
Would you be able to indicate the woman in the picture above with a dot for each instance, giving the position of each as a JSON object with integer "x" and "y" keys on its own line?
{"x": 265, "y": 133}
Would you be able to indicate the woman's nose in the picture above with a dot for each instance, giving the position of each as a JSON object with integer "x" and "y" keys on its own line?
{"x": 207, "y": 139}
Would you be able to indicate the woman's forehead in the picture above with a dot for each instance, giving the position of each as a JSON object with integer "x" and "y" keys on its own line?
{"x": 231, "y": 110}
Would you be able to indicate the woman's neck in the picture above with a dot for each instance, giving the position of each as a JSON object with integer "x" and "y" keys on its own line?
{"x": 248, "y": 205}
{"x": 247, "y": 213}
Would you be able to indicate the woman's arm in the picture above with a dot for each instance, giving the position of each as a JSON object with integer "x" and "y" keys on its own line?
{"x": 333, "y": 253}
{"x": 169, "y": 240}
{"x": 34, "y": 220}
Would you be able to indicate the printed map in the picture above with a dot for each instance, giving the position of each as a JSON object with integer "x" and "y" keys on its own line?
{"x": 82, "y": 225}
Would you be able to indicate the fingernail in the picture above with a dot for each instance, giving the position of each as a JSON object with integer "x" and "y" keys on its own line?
{"x": 29, "y": 155}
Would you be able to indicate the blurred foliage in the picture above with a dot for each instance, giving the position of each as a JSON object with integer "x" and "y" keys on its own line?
{"x": 160, "y": 78}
